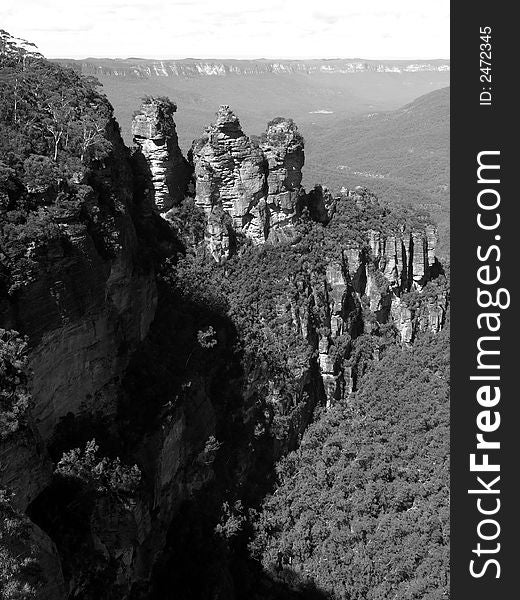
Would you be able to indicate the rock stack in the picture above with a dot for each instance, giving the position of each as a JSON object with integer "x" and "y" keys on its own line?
{"x": 283, "y": 151}
{"x": 154, "y": 133}
{"x": 257, "y": 185}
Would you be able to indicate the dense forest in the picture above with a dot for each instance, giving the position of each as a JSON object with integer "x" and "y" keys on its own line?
{"x": 189, "y": 447}
{"x": 361, "y": 508}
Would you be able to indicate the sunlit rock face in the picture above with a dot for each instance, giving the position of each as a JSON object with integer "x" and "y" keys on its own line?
{"x": 283, "y": 151}
{"x": 154, "y": 133}
{"x": 258, "y": 184}
{"x": 230, "y": 178}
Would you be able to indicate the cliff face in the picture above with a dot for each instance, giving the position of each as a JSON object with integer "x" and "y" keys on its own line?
{"x": 246, "y": 188}
{"x": 140, "y": 68}
{"x": 384, "y": 279}
{"x": 86, "y": 304}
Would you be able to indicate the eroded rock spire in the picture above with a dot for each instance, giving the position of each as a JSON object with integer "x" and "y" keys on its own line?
{"x": 153, "y": 130}
{"x": 256, "y": 184}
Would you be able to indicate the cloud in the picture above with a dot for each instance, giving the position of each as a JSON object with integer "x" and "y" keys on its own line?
{"x": 62, "y": 29}
{"x": 326, "y": 18}
{"x": 235, "y": 28}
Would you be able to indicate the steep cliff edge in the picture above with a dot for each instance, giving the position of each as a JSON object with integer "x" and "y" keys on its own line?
{"x": 158, "y": 386}
{"x": 142, "y": 68}
{"x": 75, "y": 280}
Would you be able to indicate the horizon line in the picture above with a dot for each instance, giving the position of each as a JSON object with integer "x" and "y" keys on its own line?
{"x": 262, "y": 58}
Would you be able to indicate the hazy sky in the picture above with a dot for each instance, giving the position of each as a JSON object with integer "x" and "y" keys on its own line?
{"x": 232, "y": 28}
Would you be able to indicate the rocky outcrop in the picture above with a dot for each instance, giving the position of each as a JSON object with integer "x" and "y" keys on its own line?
{"x": 390, "y": 278}
{"x": 154, "y": 133}
{"x": 132, "y": 68}
{"x": 258, "y": 185}
{"x": 283, "y": 151}
{"x": 321, "y": 203}
{"x": 399, "y": 264}
{"x": 230, "y": 178}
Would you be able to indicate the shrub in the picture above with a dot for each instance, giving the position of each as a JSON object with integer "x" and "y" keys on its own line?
{"x": 206, "y": 337}
{"x": 19, "y": 573}
{"x": 40, "y": 173}
{"x": 14, "y": 394}
{"x": 101, "y": 473}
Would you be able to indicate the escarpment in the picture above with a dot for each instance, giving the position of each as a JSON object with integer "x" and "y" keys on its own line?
{"x": 77, "y": 296}
{"x": 163, "y": 384}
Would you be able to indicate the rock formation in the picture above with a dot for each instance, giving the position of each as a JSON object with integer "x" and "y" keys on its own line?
{"x": 230, "y": 179}
{"x": 137, "y": 68}
{"x": 283, "y": 151}
{"x": 154, "y": 132}
{"x": 113, "y": 353}
{"x": 389, "y": 278}
{"x": 257, "y": 185}
{"x": 84, "y": 309}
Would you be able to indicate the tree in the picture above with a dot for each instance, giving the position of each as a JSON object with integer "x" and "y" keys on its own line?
{"x": 58, "y": 109}
{"x": 14, "y": 393}
{"x": 41, "y": 173}
{"x": 18, "y": 557}
{"x": 91, "y": 125}
{"x": 362, "y": 507}
{"x": 101, "y": 473}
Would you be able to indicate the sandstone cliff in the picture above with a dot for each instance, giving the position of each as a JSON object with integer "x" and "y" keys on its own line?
{"x": 137, "y": 68}
{"x": 85, "y": 304}
{"x": 370, "y": 282}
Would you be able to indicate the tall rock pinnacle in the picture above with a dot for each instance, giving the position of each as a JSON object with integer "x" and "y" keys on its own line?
{"x": 283, "y": 150}
{"x": 153, "y": 130}
{"x": 230, "y": 174}
{"x": 255, "y": 185}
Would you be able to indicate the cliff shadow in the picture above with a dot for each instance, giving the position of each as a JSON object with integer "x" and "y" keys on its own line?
{"x": 190, "y": 372}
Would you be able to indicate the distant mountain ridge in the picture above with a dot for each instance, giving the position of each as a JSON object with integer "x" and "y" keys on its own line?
{"x": 189, "y": 67}
{"x": 402, "y": 155}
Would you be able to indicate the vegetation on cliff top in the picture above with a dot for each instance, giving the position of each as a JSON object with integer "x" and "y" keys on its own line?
{"x": 53, "y": 134}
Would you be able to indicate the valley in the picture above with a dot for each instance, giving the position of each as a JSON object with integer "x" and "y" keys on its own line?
{"x": 382, "y": 125}
{"x": 224, "y": 371}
